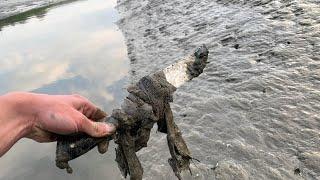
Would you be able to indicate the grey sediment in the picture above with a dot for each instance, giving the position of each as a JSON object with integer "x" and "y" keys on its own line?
{"x": 254, "y": 112}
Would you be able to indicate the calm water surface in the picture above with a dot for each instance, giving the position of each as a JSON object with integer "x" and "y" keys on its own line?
{"x": 70, "y": 48}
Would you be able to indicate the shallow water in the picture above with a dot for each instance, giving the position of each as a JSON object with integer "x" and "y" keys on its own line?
{"x": 70, "y": 48}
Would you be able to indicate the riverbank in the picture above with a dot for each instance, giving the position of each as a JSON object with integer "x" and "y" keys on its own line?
{"x": 254, "y": 112}
{"x": 10, "y": 8}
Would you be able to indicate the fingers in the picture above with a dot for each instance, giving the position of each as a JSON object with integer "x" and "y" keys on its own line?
{"x": 95, "y": 129}
{"x": 98, "y": 115}
{"x": 86, "y": 107}
{"x": 83, "y": 105}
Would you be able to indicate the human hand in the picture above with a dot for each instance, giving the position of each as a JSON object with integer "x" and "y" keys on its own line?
{"x": 41, "y": 117}
{"x": 66, "y": 114}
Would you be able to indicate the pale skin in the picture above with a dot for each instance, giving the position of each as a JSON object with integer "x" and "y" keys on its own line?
{"x": 41, "y": 117}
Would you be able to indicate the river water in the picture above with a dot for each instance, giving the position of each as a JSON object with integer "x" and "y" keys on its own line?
{"x": 71, "y": 48}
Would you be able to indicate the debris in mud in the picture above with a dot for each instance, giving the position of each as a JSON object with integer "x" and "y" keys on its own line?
{"x": 297, "y": 172}
{"x": 147, "y": 103}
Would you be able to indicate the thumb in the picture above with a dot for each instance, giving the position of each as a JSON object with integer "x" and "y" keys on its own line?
{"x": 95, "y": 129}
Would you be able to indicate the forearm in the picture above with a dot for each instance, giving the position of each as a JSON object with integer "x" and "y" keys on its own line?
{"x": 10, "y": 133}
{"x": 13, "y": 123}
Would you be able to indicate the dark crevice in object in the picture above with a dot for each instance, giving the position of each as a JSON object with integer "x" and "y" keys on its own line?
{"x": 236, "y": 46}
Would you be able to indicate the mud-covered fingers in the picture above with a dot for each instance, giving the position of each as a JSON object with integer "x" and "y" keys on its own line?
{"x": 103, "y": 146}
{"x": 98, "y": 115}
{"x": 64, "y": 165}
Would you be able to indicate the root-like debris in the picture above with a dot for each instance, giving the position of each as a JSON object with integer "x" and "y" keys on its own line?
{"x": 146, "y": 104}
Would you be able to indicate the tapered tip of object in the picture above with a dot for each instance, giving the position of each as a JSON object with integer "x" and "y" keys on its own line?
{"x": 201, "y": 52}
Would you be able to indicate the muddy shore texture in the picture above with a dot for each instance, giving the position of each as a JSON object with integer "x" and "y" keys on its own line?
{"x": 254, "y": 112}
{"x": 14, "y": 7}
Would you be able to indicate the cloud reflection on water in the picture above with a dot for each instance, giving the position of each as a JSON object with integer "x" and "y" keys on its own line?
{"x": 63, "y": 50}
{"x": 74, "y": 48}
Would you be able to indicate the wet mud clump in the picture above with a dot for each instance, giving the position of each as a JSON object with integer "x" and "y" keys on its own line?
{"x": 147, "y": 103}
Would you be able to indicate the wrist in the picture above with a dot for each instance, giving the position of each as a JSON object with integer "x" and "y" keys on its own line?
{"x": 15, "y": 118}
{"x": 18, "y": 109}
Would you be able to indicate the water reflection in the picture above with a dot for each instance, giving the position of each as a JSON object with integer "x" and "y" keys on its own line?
{"x": 73, "y": 48}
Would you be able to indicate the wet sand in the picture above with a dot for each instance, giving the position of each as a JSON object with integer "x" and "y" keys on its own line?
{"x": 254, "y": 112}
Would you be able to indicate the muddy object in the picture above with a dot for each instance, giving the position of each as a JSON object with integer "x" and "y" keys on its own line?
{"x": 146, "y": 104}
{"x": 74, "y": 145}
{"x": 297, "y": 171}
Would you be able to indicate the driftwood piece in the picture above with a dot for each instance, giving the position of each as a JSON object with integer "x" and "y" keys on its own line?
{"x": 146, "y": 104}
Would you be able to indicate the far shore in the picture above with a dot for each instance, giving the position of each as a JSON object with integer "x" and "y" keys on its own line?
{"x": 11, "y": 9}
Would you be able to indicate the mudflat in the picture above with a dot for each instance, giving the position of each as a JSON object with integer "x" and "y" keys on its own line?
{"x": 254, "y": 112}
